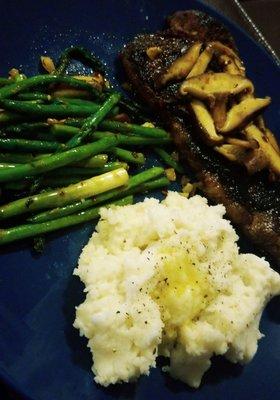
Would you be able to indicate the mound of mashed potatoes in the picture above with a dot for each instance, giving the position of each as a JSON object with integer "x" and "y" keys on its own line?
{"x": 166, "y": 278}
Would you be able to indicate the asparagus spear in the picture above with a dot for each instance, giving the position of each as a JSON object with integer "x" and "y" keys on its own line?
{"x": 80, "y": 54}
{"x": 47, "y": 182}
{"x": 27, "y": 127}
{"x": 83, "y": 172}
{"x": 57, "y": 160}
{"x": 93, "y": 162}
{"x": 30, "y": 145}
{"x": 34, "y": 96}
{"x": 75, "y": 122}
{"x": 132, "y": 140}
{"x": 85, "y": 204}
{"x": 6, "y": 117}
{"x": 44, "y": 80}
{"x": 64, "y": 131}
{"x": 28, "y": 230}
{"x": 92, "y": 122}
{"x": 67, "y": 176}
{"x": 134, "y": 184}
{"x": 139, "y": 130}
{"x": 78, "y": 102}
{"x": 169, "y": 160}
{"x": 15, "y": 158}
{"x": 128, "y": 156}
{"x": 49, "y": 110}
{"x": 114, "y": 126}
{"x": 7, "y": 165}
{"x": 66, "y": 195}
{"x": 5, "y": 81}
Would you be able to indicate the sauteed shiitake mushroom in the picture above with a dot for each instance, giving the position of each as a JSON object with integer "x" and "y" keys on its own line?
{"x": 224, "y": 106}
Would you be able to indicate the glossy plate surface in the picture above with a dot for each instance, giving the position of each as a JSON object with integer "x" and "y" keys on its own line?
{"x": 41, "y": 355}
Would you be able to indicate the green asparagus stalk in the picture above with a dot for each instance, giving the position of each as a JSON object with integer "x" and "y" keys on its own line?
{"x": 28, "y": 230}
{"x": 114, "y": 126}
{"x": 58, "y": 181}
{"x": 132, "y": 140}
{"x": 15, "y": 158}
{"x": 78, "y": 102}
{"x": 129, "y": 156}
{"x": 7, "y": 117}
{"x": 167, "y": 158}
{"x": 80, "y": 54}
{"x": 57, "y": 160}
{"x": 27, "y": 127}
{"x": 92, "y": 122}
{"x": 64, "y": 131}
{"x": 45, "y": 80}
{"x": 83, "y": 172}
{"x": 47, "y": 182}
{"x": 29, "y": 145}
{"x": 134, "y": 185}
{"x": 60, "y": 197}
{"x": 75, "y": 122}
{"x": 34, "y": 96}
{"x": 153, "y": 185}
{"x": 67, "y": 176}
{"x": 49, "y": 110}
{"x": 93, "y": 162}
{"x": 85, "y": 204}
{"x": 7, "y": 165}
{"x": 138, "y": 130}
{"x": 5, "y": 81}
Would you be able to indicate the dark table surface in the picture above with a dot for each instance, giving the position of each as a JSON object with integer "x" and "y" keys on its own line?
{"x": 265, "y": 14}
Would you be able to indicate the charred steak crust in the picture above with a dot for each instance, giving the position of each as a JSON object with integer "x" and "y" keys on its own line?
{"x": 252, "y": 203}
{"x": 199, "y": 26}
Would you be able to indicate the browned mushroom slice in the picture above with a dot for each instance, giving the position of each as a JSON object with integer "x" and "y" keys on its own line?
{"x": 211, "y": 85}
{"x": 180, "y": 68}
{"x": 232, "y": 152}
{"x": 252, "y": 132}
{"x": 260, "y": 123}
{"x": 229, "y": 65}
{"x": 242, "y": 143}
{"x": 219, "y": 111}
{"x": 201, "y": 63}
{"x": 222, "y": 49}
{"x": 272, "y": 140}
{"x": 205, "y": 123}
{"x": 243, "y": 96}
{"x": 240, "y": 114}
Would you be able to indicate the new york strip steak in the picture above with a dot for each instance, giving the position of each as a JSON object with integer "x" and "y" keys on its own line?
{"x": 252, "y": 200}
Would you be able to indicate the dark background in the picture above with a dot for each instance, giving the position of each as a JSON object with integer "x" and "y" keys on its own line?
{"x": 266, "y": 15}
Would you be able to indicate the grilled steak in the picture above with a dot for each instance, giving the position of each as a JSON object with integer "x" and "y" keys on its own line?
{"x": 252, "y": 202}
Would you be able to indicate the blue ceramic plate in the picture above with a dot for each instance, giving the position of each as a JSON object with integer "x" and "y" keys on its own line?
{"x": 41, "y": 355}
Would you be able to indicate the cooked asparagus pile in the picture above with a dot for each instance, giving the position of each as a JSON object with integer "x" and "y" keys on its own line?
{"x": 66, "y": 144}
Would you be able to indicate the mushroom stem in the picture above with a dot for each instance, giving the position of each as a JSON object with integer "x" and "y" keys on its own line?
{"x": 219, "y": 111}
